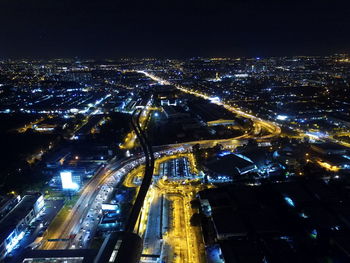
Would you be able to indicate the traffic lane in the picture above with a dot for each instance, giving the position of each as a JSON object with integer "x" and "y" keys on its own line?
{"x": 88, "y": 193}
{"x": 90, "y": 221}
{"x": 82, "y": 205}
{"x": 79, "y": 210}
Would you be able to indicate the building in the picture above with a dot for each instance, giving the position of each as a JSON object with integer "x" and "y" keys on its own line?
{"x": 212, "y": 114}
{"x": 66, "y": 256}
{"x": 231, "y": 165}
{"x": 117, "y": 247}
{"x": 56, "y": 159}
{"x": 7, "y": 203}
{"x": 175, "y": 112}
{"x": 70, "y": 180}
{"x": 329, "y": 148}
{"x": 331, "y": 156}
{"x": 334, "y": 163}
{"x": 15, "y": 223}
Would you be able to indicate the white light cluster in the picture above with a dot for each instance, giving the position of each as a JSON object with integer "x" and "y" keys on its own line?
{"x": 67, "y": 182}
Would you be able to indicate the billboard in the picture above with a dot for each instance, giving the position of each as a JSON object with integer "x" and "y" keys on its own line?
{"x": 110, "y": 207}
{"x": 67, "y": 182}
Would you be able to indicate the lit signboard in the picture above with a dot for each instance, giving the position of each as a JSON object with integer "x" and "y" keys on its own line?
{"x": 110, "y": 207}
{"x": 282, "y": 117}
{"x": 67, "y": 182}
{"x": 214, "y": 99}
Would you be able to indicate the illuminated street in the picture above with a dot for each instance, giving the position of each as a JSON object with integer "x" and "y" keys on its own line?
{"x": 70, "y": 224}
{"x": 79, "y": 224}
{"x": 169, "y": 212}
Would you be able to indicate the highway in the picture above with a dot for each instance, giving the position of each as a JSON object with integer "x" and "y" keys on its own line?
{"x": 130, "y": 139}
{"x": 80, "y": 209}
{"x": 90, "y": 197}
{"x": 79, "y": 224}
{"x": 271, "y": 128}
{"x": 30, "y": 125}
{"x": 340, "y": 141}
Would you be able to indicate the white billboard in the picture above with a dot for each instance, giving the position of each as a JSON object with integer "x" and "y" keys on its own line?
{"x": 67, "y": 182}
{"x": 110, "y": 207}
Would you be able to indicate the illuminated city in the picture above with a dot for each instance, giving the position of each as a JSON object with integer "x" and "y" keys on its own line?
{"x": 113, "y": 151}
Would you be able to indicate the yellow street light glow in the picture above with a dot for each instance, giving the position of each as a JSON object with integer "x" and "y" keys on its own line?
{"x": 328, "y": 166}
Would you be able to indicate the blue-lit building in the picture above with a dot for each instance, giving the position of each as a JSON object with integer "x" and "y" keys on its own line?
{"x": 15, "y": 223}
{"x": 111, "y": 216}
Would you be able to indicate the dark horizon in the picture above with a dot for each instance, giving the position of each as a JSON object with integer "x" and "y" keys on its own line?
{"x": 116, "y": 29}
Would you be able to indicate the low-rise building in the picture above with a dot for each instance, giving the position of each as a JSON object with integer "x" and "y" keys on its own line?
{"x": 329, "y": 148}
{"x": 15, "y": 223}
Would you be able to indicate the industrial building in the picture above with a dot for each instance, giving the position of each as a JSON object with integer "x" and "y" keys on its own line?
{"x": 15, "y": 223}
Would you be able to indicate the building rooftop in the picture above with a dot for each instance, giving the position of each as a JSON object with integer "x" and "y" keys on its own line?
{"x": 329, "y": 148}
{"x": 69, "y": 255}
{"x": 228, "y": 164}
{"x": 10, "y": 221}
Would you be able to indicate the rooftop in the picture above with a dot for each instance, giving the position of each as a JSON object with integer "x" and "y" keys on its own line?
{"x": 10, "y": 221}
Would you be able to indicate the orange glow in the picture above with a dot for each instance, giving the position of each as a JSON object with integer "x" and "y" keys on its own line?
{"x": 328, "y": 166}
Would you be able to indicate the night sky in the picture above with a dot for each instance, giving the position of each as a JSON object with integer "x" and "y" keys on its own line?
{"x": 106, "y": 28}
